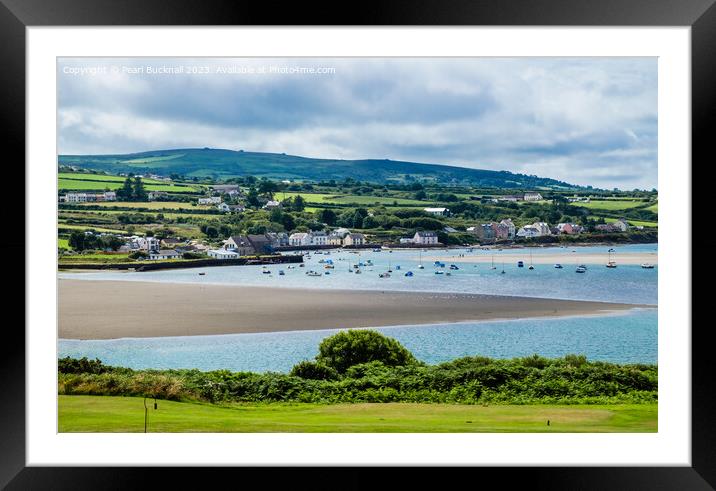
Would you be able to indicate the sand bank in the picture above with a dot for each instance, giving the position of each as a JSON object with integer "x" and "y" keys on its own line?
{"x": 115, "y": 309}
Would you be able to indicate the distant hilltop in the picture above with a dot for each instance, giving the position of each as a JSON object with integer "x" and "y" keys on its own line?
{"x": 221, "y": 164}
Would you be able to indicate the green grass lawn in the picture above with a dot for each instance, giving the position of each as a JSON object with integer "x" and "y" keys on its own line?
{"x": 151, "y": 205}
{"x": 344, "y": 199}
{"x": 99, "y": 182}
{"x": 70, "y": 226}
{"x": 126, "y": 414}
{"x": 629, "y": 220}
{"x": 611, "y": 205}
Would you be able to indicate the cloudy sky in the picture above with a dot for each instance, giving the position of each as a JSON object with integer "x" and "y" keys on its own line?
{"x": 589, "y": 121}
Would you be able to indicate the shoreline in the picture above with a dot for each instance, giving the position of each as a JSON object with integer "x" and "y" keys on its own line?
{"x": 112, "y": 309}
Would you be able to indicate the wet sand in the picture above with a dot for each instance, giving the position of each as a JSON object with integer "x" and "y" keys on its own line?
{"x": 115, "y": 309}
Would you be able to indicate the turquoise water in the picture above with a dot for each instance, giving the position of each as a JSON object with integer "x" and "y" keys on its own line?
{"x": 622, "y": 338}
{"x": 626, "y": 284}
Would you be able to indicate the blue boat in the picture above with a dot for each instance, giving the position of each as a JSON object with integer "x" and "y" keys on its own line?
{"x": 409, "y": 273}
{"x": 520, "y": 264}
{"x": 453, "y": 267}
{"x": 397, "y": 267}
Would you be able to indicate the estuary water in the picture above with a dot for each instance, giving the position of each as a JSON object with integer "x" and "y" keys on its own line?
{"x": 625, "y": 284}
{"x": 628, "y": 337}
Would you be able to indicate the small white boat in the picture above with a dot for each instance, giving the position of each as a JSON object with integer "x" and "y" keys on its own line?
{"x": 581, "y": 269}
{"x": 557, "y": 266}
{"x": 266, "y": 271}
{"x": 384, "y": 275}
{"x": 647, "y": 266}
{"x": 313, "y": 273}
{"x": 439, "y": 272}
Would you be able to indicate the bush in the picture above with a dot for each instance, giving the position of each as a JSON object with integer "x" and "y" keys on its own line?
{"x": 82, "y": 365}
{"x": 352, "y": 347}
{"x": 138, "y": 255}
{"x": 313, "y": 370}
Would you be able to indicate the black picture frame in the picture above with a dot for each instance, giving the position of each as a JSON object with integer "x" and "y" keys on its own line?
{"x": 16, "y": 15}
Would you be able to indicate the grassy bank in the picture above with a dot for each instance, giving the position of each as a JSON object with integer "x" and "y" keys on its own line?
{"x": 126, "y": 414}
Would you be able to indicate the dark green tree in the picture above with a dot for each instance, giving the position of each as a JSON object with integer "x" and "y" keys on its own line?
{"x": 352, "y": 347}
{"x": 299, "y": 204}
{"x": 139, "y": 193}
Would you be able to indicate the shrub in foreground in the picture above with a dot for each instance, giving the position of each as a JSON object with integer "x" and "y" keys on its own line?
{"x": 352, "y": 347}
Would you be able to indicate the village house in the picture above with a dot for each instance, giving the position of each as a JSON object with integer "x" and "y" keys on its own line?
{"x": 509, "y": 226}
{"x": 354, "y": 239}
{"x": 319, "y": 238}
{"x": 437, "y": 211}
{"x": 223, "y": 254}
{"x": 528, "y": 231}
{"x": 569, "y": 228}
{"x": 239, "y": 244}
{"x": 510, "y": 197}
{"x": 425, "y": 238}
{"x": 230, "y": 189}
{"x": 278, "y": 239}
{"x": 271, "y": 204}
{"x": 223, "y": 207}
{"x": 532, "y": 197}
{"x": 90, "y": 197}
{"x": 620, "y": 225}
{"x": 146, "y": 243}
{"x": 213, "y": 200}
{"x": 154, "y": 195}
{"x": 337, "y": 236}
{"x": 261, "y": 243}
{"x": 164, "y": 254}
{"x": 299, "y": 239}
{"x": 484, "y": 231}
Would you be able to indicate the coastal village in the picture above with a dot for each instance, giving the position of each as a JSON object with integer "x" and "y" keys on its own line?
{"x": 261, "y": 218}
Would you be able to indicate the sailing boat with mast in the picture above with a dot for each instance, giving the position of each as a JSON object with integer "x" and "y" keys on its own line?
{"x": 610, "y": 263}
{"x": 531, "y": 265}
{"x": 493, "y": 261}
{"x": 420, "y": 265}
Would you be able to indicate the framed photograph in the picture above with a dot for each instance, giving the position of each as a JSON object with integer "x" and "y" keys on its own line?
{"x": 427, "y": 239}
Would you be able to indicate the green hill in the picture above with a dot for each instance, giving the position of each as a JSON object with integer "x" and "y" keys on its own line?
{"x": 220, "y": 163}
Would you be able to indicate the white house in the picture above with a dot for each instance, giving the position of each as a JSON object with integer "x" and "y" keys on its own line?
{"x": 528, "y": 231}
{"x": 406, "y": 240}
{"x": 319, "y": 238}
{"x": 222, "y": 254}
{"x": 164, "y": 254}
{"x": 223, "y": 207}
{"x": 437, "y": 211}
{"x": 299, "y": 239}
{"x": 76, "y": 197}
{"x": 214, "y": 200}
{"x": 270, "y": 205}
{"x": 543, "y": 228}
{"x": 110, "y": 196}
{"x": 425, "y": 238}
{"x": 147, "y": 243}
{"x": 532, "y": 197}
